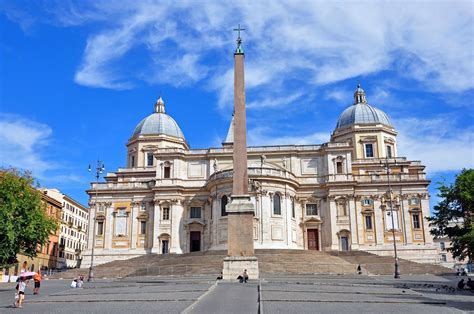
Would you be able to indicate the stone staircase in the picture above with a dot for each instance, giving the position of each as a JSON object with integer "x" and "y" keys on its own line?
{"x": 270, "y": 262}
{"x": 384, "y": 265}
{"x": 302, "y": 262}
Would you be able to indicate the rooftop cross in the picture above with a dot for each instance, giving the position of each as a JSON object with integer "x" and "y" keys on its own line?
{"x": 239, "y": 40}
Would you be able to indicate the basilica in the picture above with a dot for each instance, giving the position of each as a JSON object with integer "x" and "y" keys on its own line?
{"x": 351, "y": 193}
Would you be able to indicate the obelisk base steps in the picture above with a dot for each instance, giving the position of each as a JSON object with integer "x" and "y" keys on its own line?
{"x": 234, "y": 266}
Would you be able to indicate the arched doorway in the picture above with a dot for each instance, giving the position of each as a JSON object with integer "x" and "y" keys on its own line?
{"x": 164, "y": 243}
{"x": 344, "y": 244}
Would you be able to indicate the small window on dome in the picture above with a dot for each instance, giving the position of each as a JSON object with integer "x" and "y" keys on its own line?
{"x": 167, "y": 172}
{"x": 369, "y": 150}
{"x": 149, "y": 159}
{"x": 389, "y": 151}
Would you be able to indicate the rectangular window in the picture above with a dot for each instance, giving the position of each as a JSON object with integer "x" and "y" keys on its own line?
{"x": 414, "y": 201}
{"x": 311, "y": 209}
{"x": 442, "y": 246}
{"x": 389, "y": 151}
{"x": 416, "y": 221}
{"x": 293, "y": 211}
{"x": 167, "y": 172}
{"x": 149, "y": 159}
{"x": 121, "y": 222}
{"x": 367, "y": 202}
{"x": 369, "y": 150}
{"x": 339, "y": 167}
{"x": 391, "y": 220}
{"x": 166, "y": 213}
{"x": 443, "y": 258}
{"x": 100, "y": 228}
{"x": 195, "y": 212}
{"x": 132, "y": 161}
{"x": 142, "y": 227}
{"x": 368, "y": 222}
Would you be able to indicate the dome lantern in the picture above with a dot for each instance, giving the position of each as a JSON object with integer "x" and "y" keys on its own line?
{"x": 359, "y": 96}
{"x": 160, "y": 105}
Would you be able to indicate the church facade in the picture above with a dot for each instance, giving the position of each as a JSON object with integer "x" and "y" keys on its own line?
{"x": 329, "y": 197}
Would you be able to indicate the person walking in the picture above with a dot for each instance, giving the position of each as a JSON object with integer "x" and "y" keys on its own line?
{"x": 245, "y": 276}
{"x": 21, "y": 292}
{"x": 37, "y": 278}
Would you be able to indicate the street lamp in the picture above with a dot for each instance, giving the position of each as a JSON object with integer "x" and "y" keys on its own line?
{"x": 397, "y": 270}
{"x": 98, "y": 170}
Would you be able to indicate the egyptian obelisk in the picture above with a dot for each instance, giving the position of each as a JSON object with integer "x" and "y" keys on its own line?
{"x": 240, "y": 210}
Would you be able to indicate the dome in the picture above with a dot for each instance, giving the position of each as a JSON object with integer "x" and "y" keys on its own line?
{"x": 158, "y": 123}
{"x": 361, "y": 112}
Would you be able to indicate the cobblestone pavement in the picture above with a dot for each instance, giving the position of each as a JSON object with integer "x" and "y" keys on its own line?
{"x": 282, "y": 294}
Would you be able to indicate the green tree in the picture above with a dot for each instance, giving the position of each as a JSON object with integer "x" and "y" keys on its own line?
{"x": 24, "y": 223}
{"x": 454, "y": 215}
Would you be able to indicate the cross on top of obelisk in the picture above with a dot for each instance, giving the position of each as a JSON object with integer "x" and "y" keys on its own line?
{"x": 239, "y": 49}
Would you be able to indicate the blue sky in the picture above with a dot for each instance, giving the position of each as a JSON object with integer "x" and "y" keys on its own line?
{"x": 77, "y": 76}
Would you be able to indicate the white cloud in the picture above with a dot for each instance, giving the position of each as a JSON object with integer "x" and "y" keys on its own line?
{"x": 21, "y": 142}
{"x": 314, "y": 42}
{"x": 24, "y": 144}
{"x": 438, "y": 143}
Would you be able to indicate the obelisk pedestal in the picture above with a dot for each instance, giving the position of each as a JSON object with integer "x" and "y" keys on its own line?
{"x": 240, "y": 251}
{"x": 240, "y": 210}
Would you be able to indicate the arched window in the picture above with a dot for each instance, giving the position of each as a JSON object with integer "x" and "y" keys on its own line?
{"x": 223, "y": 205}
{"x": 276, "y": 204}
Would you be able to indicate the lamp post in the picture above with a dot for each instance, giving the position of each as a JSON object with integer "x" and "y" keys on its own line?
{"x": 98, "y": 170}
{"x": 397, "y": 269}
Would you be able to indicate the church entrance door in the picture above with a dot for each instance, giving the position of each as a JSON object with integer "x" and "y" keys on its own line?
{"x": 195, "y": 237}
{"x": 164, "y": 248}
{"x": 344, "y": 243}
{"x": 313, "y": 239}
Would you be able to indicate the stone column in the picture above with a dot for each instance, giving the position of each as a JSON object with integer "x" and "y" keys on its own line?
{"x": 425, "y": 212}
{"x": 109, "y": 226}
{"x": 240, "y": 211}
{"x": 90, "y": 227}
{"x": 378, "y": 222}
{"x": 360, "y": 220}
{"x": 406, "y": 221}
{"x": 155, "y": 242}
{"x": 353, "y": 223}
{"x": 332, "y": 219}
{"x": 134, "y": 224}
{"x": 176, "y": 212}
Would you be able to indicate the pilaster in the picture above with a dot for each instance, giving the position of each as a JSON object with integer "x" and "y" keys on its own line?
{"x": 378, "y": 222}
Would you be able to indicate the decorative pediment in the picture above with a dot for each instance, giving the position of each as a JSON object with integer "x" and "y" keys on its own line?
{"x": 142, "y": 216}
{"x": 368, "y": 139}
{"x": 194, "y": 222}
{"x": 311, "y": 220}
{"x": 100, "y": 216}
{"x": 389, "y": 140}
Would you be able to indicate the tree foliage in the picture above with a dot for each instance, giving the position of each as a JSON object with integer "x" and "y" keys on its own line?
{"x": 24, "y": 223}
{"x": 454, "y": 215}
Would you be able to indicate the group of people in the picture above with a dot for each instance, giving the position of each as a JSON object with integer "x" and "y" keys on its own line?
{"x": 21, "y": 287}
{"x": 78, "y": 282}
{"x": 468, "y": 285}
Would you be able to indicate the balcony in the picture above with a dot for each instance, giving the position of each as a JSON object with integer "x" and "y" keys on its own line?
{"x": 381, "y": 161}
{"x": 255, "y": 172}
{"x": 122, "y": 185}
{"x": 399, "y": 177}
